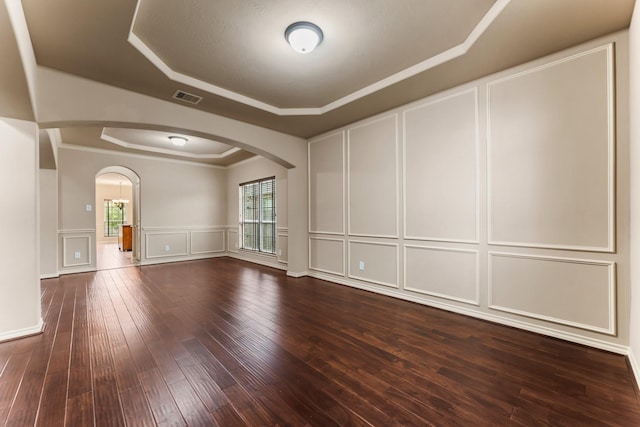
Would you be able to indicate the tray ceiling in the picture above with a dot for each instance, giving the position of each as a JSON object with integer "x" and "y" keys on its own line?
{"x": 376, "y": 55}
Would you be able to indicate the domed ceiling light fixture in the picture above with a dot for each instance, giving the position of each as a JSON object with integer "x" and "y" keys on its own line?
{"x": 303, "y": 37}
{"x": 178, "y": 140}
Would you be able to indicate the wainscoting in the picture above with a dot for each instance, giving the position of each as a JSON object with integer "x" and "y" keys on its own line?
{"x": 496, "y": 199}
{"x": 179, "y": 244}
{"x": 77, "y": 251}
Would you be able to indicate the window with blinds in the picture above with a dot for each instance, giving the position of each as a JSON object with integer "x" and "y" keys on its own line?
{"x": 258, "y": 215}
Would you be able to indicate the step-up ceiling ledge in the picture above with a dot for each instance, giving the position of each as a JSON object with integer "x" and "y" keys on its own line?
{"x": 106, "y": 137}
{"x": 418, "y": 68}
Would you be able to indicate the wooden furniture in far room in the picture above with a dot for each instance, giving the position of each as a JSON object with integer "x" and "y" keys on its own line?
{"x": 124, "y": 238}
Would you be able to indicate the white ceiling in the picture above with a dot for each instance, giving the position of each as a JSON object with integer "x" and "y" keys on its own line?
{"x": 376, "y": 55}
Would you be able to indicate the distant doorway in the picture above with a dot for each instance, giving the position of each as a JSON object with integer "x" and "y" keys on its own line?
{"x": 117, "y": 218}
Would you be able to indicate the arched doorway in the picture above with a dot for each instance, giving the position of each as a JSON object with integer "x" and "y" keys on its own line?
{"x": 117, "y": 218}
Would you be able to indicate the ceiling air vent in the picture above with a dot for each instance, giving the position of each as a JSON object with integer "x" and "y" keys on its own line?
{"x": 187, "y": 97}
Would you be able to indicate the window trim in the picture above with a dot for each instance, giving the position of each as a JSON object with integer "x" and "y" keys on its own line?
{"x": 260, "y": 221}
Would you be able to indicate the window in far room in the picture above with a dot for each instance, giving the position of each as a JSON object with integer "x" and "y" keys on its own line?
{"x": 258, "y": 215}
{"x": 114, "y": 215}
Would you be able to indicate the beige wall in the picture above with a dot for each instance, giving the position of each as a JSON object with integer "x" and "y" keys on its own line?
{"x": 494, "y": 199}
{"x": 250, "y": 170}
{"x": 110, "y": 192}
{"x": 19, "y": 254}
{"x": 183, "y": 208}
{"x": 48, "y": 223}
{"x": 634, "y": 51}
{"x": 97, "y": 104}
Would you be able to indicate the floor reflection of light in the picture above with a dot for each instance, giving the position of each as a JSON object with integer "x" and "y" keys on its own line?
{"x": 256, "y": 307}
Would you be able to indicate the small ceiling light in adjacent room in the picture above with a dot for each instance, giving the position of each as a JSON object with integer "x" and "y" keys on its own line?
{"x": 303, "y": 36}
{"x": 178, "y": 140}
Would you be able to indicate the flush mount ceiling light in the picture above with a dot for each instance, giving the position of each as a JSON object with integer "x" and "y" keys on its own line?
{"x": 303, "y": 36}
{"x": 178, "y": 140}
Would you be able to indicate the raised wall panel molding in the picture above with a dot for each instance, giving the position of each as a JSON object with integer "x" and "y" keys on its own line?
{"x": 282, "y": 254}
{"x": 67, "y": 247}
{"x": 185, "y": 228}
{"x": 232, "y": 237}
{"x": 340, "y": 272}
{"x": 310, "y": 186}
{"x": 442, "y": 187}
{"x": 210, "y": 246}
{"x": 152, "y": 239}
{"x": 77, "y": 231}
{"x": 549, "y": 295}
{"x": 376, "y": 201}
{"x": 451, "y": 280}
{"x": 554, "y": 189}
{"x": 376, "y": 263}
{"x": 373, "y": 236}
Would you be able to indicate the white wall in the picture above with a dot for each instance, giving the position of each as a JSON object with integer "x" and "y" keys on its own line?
{"x": 19, "y": 255}
{"x": 250, "y": 170}
{"x": 111, "y": 191}
{"x": 183, "y": 208}
{"x": 506, "y": 198}
{"x": 634, "y": 72}
{"x": 48, "y": 223}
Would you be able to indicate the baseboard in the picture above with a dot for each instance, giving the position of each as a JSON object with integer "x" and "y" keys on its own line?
{"x": 168, "y": 260}
{"x": 519, "y": 324}
{"x": 22, "y": 333}
{"x": 635, "y": 368}
{"x": 297, "y": 274}
{"x": 267, "y": 262}
{"x": 76, "y": 270}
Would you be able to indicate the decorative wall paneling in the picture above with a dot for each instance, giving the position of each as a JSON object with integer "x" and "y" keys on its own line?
{"x": 504, "y": 193}
{"x": 447, "y": 273}
{"x": 279, "y": 260}
{"x": 77, "y": 250}
{"x": 282, "y": 243}
{"x": 162, "y": 244}
{"x": 327, "y": 185}
{"x": 571, "y": 138}
{"x": 440, "y": 164}
{"x": 327, "y": 254}
{"x": 574, "y": 292}
{"x": 233, "y": 239}
{"x": 166, "y": 244}
{"x": 374, "y": 262}
{"x": 372, "y": 178}
{"x": 207, "y": 242}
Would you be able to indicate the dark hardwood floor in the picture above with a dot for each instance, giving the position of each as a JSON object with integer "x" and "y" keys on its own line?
{"x": 223, "y": 342}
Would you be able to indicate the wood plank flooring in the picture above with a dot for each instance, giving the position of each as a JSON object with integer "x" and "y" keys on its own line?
{"x": 109, "y": 256}
{"x": 224, "y": 342}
